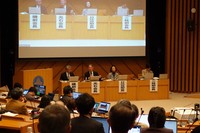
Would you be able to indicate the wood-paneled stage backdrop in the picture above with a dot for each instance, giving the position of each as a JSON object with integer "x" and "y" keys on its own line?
{"x": 130, "y": 66}
{"x": 182, "y": 45}
{"x": 182, "y": 53}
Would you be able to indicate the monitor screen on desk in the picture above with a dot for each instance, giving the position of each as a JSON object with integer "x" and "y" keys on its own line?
{"x": 41, "y": 90}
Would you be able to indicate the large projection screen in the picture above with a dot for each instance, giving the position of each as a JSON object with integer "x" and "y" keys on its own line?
{"x": 80, "y": 28}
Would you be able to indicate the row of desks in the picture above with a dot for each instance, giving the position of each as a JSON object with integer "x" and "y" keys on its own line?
{"x": 136, "y": 90}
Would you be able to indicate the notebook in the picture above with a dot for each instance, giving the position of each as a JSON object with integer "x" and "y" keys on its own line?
{"x": 95, "y": 78}
{"x": 73, "y": 78}
{"x": 122, "y": 77}
{"x": 103, "y": 107}
{"x": 171, "y": 124}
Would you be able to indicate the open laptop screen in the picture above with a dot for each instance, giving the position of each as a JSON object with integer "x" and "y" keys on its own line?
{"x": 41, "y": 90}
{"x": 103, "y": 107}
{"x": 171, "y": 124}
{"x": 76, "y": 94}
{"x": 104, "y": 122}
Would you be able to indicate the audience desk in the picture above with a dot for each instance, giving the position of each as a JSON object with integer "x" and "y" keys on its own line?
{"x": 136, "y": 90}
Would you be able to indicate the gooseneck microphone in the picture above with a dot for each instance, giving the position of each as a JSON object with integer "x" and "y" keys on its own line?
{"x": 142, "y": 112}
{"x": 182, "y": 117}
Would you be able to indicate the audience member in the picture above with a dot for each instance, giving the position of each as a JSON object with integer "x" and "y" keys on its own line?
{"x": 16, "y": 84}
{"x": 30, "y": 96}
{"x": 54, "y": 119}
{"x": 45, "y": 101}
{"x": 90, "y": 72}
{"x": 121, "y": 117}
{"x": 113, "y": 75}
{"x": 196, "y": 130}
{"x": 68, "y": 72}
{"x": 156, "y": 119}
{"x": 84, "y": 123}
{"x": 68, "y": 99}
{"x": 17, "y": 103}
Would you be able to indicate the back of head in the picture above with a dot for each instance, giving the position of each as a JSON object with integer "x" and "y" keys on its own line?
{"x": 54, "y": 119}
{"x": 33, "y": 89}
{"x": 45, "y": 101}
{"x": 85, "y": 103}
{"x": 17, "y": 85}
{"x": 67, "y": 90}
{"x": 121, "y": 118}
{"x": 135, "y": 108}
{"x": 124, "y": 102}
{"x": 16, "y": 93}
{"x": 157, "y": 117}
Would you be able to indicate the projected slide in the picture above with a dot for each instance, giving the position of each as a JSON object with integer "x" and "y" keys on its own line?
{"x": 73, "y": 28}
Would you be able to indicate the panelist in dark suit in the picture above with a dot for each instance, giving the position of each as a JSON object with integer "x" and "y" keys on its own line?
{"x": 156, "y": 119}
{"x": 90, "y": 72}
{"x": 68, "y": 72}
{"x": 84, "y": 123}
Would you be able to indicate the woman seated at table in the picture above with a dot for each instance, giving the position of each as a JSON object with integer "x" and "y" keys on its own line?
{"x": 113, "y": 75}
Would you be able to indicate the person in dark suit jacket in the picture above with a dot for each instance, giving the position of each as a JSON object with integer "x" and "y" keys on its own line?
{"x": 84, "y": 123}
{"x": 156, "y": 119}
{"x": 68, "y": 72}
{"x": 90, "y": 72}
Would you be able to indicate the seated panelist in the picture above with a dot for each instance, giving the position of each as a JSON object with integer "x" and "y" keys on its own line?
{"x": 113, "y": 75}
{"x": 68, "y": 72}
{"x": 90, "y": 72}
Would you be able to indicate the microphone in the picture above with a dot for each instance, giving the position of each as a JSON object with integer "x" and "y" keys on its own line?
{"x": 142, "y": 112}
{"x": 182, "y": 117}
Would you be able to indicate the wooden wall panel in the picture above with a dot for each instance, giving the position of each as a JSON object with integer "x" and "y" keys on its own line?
{"x": 182, "y": 45}
{"x": 130, "y": 66}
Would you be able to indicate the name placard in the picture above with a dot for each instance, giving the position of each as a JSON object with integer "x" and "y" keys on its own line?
{"x": 34, "y": 21}
{"x": 74, "y": 86}
{"x": 122, "y": 86}
{"x": 92, "y": 22}
{"x": 126, "y": 22}
{"x": 153, "y": 85}
{"x": 95, "y": 87}
{"x": 60, "y": 22}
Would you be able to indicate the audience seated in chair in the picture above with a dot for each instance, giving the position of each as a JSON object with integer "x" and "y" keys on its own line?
{"x": 54, "y": 119}
{"x": 156, "y": 120}
{"x": 121, "y": 117}
{"x": 84, "y": 123}
{"x": 17, "y": 103}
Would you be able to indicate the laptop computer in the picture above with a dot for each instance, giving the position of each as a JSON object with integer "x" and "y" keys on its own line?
{"x": 132, "y": 130}
{"x": 122, "y": 77}
{"x": 104, "y": 122}
{"x": 25, "y": 91}
{"x": 149, "y": 76}
{"x": 34, "y": 10}
{"x": 163, "y": 76}
{"x": 103, "y": 107}
{"x": 41, "y": 90}
{"x": 76, "y": 94}
{"x": 171, "y": 124}
{"x": 95, "y": 78}
{"x": 138, "y": 12}
{"x": 73, "y": 78}
{"x": 90, "y": 11}
{"x": 60, "y": 11}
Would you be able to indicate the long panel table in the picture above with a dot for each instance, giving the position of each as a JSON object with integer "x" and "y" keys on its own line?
{"x": 136, "y": 90}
